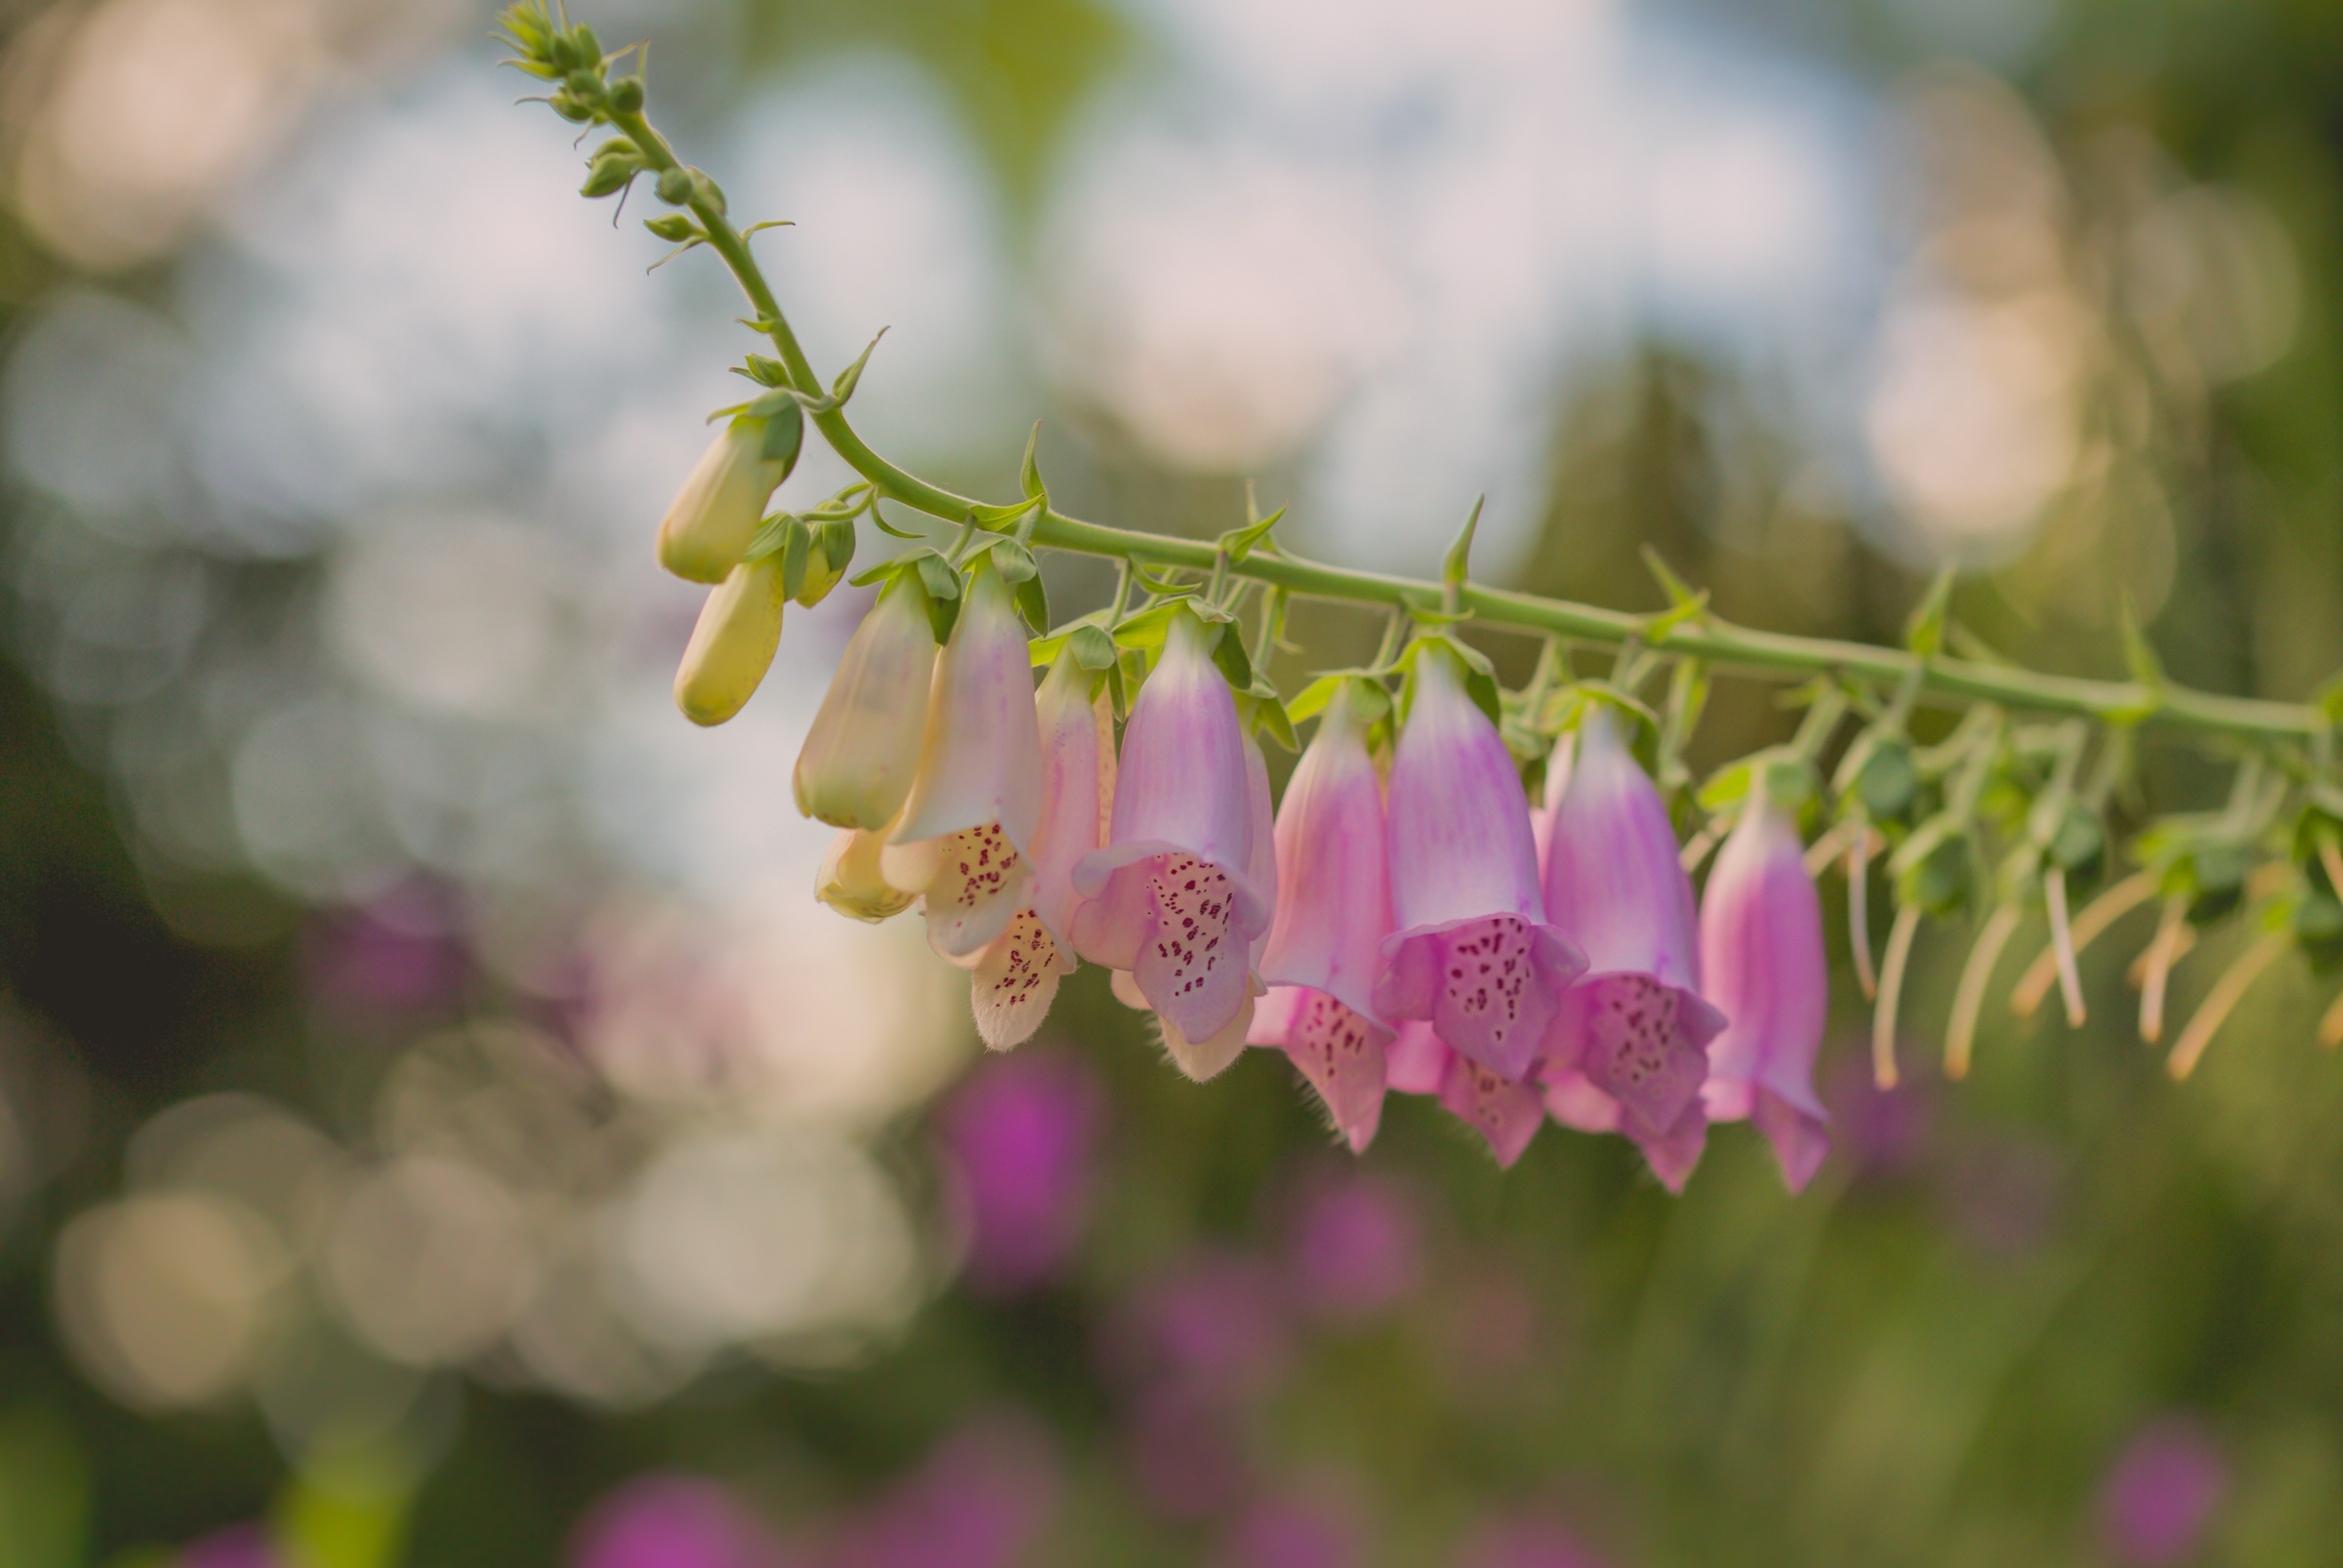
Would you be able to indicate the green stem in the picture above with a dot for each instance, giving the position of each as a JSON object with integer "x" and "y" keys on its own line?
{"x": 1705, "y": 637}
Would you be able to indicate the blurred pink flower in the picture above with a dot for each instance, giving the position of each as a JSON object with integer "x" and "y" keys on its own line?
{"x": 672, "y": 1521}
{"x": 2158, "y": 1498}
{"x": 1296, "y": 1532}
{"x": 399, "y": 952}
{"x": 242, "y": 1545}
{"x": 1187, "y": 1454}
{"x": 1217, "y": 1327}
{"x": 982, "y": 1500}
{"x": 1023, "y": 1132}
{"x": 1524, "y": 1541}
{"x": 1357, "y": 1250}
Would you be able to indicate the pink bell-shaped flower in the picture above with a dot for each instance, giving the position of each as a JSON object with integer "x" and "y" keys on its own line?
{"x": 1174, "y": 897}
{"x": 1015, "y": 978}
{"x": 1762, "y": 945}
{"x": 976, "y": 798}
{"x": 859, "y": 757}
{"x": 1334, "y": 911}
{"x": 1504, "y": 1112}
{"x": 1473, "y": 954}
{"x": 1635, "y": 1027}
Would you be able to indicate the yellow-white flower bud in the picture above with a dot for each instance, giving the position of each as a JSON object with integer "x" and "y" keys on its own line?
{"x": 852, "y": 883}
{"x": 733, "y": 644}
{"x": 715, "y": 515}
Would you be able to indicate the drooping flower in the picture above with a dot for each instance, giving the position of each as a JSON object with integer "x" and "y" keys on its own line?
{"x": 860, "y": 756}
{"x": 1761, "y": 948}
{"x": 1325, "y": 946}
{"x": 1635, "y": 1029}
{"x": 1173, "y": 897}
{"x": 715, "y": 517}
{"x": 733, "y": 644}
{"x": 1506, "y": 1112}
{"x": 976, "y": 798}
{"x": 1473, "y": 954}
{"x": 1015, "y": 978}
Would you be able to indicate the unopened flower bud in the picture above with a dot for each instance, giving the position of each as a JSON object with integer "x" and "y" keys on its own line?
{"x": 674, "y": 186}
{"x": 626, "y": 94}
{"x": 732, "y": 646}
{"x": 715, "y": 515}
{"x": 566, "y": 105}
{"x": 586, "y": 82}
{"x": 613, "y": 166}
{"x": 588, "y": 46}
{"x": 673, "y": 227}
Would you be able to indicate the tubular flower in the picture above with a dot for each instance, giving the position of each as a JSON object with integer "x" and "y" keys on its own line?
{"x": 859, "y": 756}
{"x": 713, "y": 517}
{"x": 1473, "y": 955}
{"x": 1634, "y": 1027}
{"x": 1324, "y": 947}
{"x": 1017, "y": 977}
{"x": 732, "y": 642}
{"x": 976, "y": 798}
{"x": 1762, "y": 944}
{"x": 1173, "y": 897}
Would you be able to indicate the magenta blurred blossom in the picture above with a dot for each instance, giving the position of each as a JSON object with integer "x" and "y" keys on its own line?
{"x": 1882, "y": 1131}
{"x": 1023, "y": 1133}
{"x": 1173, "y": 899}
{"x": 242, "y": 1545}
{"x": 672, "y": 1521}
{"x": 1473, "y": 955}
{"x": 982, "y": 1500}
{"x": 1217, "y": 1327}
{"x": 1296, "y": 1532}
{"x": 1188, "y": 1453}
{"x": 1524, "y": 1541}
{"x": 1357, "y": 1247}
{"x": 1323, "y": 945}
{"x": 2157, "y": 1501}
{"x": 1761, "y": 940}
{"x": 399, "y": 952}
{"x": 1635, "y": 1028}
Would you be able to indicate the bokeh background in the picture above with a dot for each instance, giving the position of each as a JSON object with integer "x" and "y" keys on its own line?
{"x": 436, "y": 1124}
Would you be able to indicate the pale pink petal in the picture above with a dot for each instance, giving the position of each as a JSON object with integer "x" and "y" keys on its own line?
{"x": 980, "y": 751}
{"x": 1078, "y": 786}
{"x": 1490, "y": 986}
{"x": 1638, "y": 1040}
{"x": 1126, "y": 991}
{"x": 975, "y": 883}
{"x": 1416, "y": 1062}
{"x": 1797, "y": 1135}
{"x": 1672, "y": 1154}
{"x": 1014, "y": 982}
{"x": 1576, "y": 1103}
{"x": 1193, "y": 966}
{"x": 1507, "y": 1113}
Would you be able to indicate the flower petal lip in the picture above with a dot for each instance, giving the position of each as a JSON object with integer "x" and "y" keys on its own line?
{"x": 733, "y": 644}
{"x": 852, "y": 883}
{"x": 1333, "y": 907}
{"x": 1762, "y": 946}
{"x": 1340, "y": 1054}
{"x": 859, "y": 758}
{"x": 1474, "y": 953}
{"x": 714, "y": 518}
{"x": 980, "y": 747}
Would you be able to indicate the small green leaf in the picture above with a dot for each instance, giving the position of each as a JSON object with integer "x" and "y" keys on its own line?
{"x": 2139, "y": 654}
{"x": 1093, "y": 648}
{"x": 1458, "y": 562}
{"x": 1237, "y": 543}
{"x": 1228, "y": 653}
{"x": 1013, "y": 560}
{"x": 942, "y": 587}
{"x": 1313, "y": 700}
{"x": 1680, "y": 592}
{"x": 1925, "y": 633}
{"x": 1259, "y": 711}
{"x": 849, "y": 377}
{"x": 765, "y": 371}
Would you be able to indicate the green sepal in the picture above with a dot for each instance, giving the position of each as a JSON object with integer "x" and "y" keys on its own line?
{"x": 1261, "y": 714}
{"x": 1228, "y": 653}
{"x": 942, "y": 583}
{"x": 835, "y": 537}
{"x": 1934, "y": 868}
{"x": 772, "y": 536}
{"x": 1013, "y": 560}
{"x": 1006, "y": 517}
{"x": 673, "y": 227}
{"x": 1093, "y": 648}
{"x": 794, "y": 555}
{"x": 1480, "y": 676}
{"x": 1032, "y": 603}
{"x": 784, "y": 438}
{"x": 764, "y": 370}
